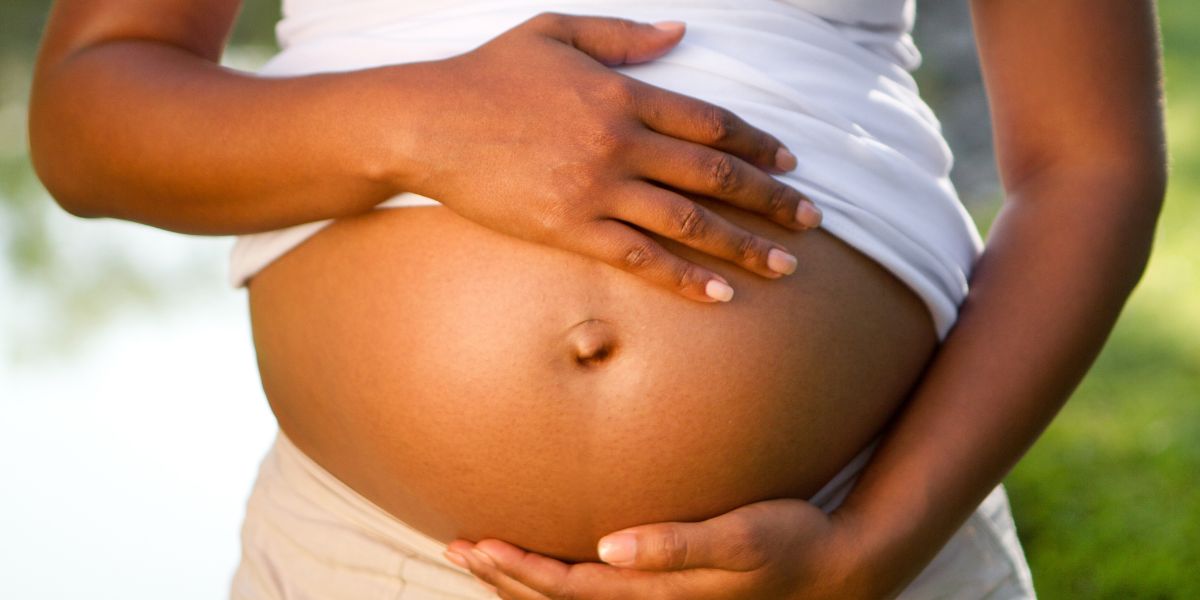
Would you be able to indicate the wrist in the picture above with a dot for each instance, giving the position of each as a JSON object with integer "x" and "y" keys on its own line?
{"x": 864, "y": 568}
{"x": 402, "y": 140}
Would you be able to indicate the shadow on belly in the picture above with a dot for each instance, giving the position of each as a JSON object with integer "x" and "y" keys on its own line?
{"x": 475, "y": 385}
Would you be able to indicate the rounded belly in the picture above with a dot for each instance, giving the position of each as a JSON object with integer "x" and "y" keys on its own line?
{"x": 475, "y": 385}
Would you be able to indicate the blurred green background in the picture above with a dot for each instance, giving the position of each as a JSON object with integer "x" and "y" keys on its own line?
{"x": 1108, "y": 501}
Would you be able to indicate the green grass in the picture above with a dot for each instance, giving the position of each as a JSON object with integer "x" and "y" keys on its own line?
{"x": 1108, "y": 501}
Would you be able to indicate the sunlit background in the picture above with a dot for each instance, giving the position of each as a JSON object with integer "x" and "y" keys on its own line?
{"x": 132, "y": 421}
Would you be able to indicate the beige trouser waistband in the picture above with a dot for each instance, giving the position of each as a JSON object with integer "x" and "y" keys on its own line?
{"x": 307, "y": 535}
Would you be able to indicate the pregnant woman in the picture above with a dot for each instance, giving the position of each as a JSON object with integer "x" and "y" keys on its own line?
{"x": 704, "y": 282}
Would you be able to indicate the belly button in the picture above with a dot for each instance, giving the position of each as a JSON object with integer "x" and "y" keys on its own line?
{"x": 591, "y": 342}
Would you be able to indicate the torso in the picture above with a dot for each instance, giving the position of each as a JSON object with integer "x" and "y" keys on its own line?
{"x": 475, "y": 385}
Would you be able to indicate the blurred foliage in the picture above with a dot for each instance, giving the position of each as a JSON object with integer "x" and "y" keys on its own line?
{"x": 1107, "y": 502}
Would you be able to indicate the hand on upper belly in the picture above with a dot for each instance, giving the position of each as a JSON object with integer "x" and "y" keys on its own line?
{"x": 600, "y": 156}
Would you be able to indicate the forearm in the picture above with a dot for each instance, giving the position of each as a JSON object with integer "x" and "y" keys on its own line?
{"x": 148, "y": 132}
{"x": 1061, "y": 260}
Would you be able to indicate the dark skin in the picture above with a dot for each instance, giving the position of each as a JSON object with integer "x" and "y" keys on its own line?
{"x": 1076, "y": 100}
{"x": 132, "y": 118}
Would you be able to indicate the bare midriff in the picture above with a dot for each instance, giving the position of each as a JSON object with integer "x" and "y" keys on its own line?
{"x": 476, "y": 385}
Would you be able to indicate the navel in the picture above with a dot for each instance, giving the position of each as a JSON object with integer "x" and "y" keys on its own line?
{"x": 591, "y": 342}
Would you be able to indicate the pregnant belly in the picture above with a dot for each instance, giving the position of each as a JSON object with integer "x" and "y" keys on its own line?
{"x": 475, "y": 385}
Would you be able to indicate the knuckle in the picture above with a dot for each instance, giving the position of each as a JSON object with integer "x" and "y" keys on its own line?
{"x": 547, "y": 19}
{"x": 638, "y": 256}
{"x": 717, "y": 124}
{"x": 691, "y": 221}
{"x": 554, "y": 216}
{"x": 686, "y": 276}
{"x": 767, "y": 147}
{"x": 779, "y": 201}
{"x": 721, "y": 173}
{"x": 762, "y": 144}
{"x": 739, "y": 528}
{"x": 674, "y": 549}
{"x": 607, "y": 141}
{"x": 572, "y": 200}
{"x": 751, "y": 554}
{"x": 750, "y": 250}
{"x": 743, "y": 545}
{"x": 620, "y": 90}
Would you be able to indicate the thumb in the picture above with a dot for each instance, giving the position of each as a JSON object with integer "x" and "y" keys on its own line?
{"x": 611, "y": 41}
{"x": 676, "y": 546}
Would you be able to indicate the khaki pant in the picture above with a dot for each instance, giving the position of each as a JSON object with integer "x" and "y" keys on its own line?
{"x": 309, "y": 536}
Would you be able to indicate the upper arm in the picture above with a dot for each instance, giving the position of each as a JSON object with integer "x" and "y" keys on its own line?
{"x": 1074, "y": 82}
{"x": 65, "y": 101}
{"x": 201, "y": 27}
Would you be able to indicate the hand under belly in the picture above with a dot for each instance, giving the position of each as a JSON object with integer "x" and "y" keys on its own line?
{"x": 475, "y": 385}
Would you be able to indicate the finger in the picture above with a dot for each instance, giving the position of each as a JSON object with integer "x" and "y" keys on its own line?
{"x": 621, "y": 246}
{"x": 595, "y": 581}
{"x": 726, "y": 542}
{"x": 555, "y": 579}
{"x": 539, "y": 573}
{"x": 455, "y": 553}
{"x": 692, "y": 119}
{"x": 688, "y": 222}
{"x": 484, "y": 567}
{"x": 703, "y": 170}
{"x": 611, "y": 41}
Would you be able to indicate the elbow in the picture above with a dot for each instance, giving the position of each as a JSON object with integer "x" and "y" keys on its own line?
{"x": 1141, "y": 197}
{"x": 1117, "y": 199}
{"x": 1147, "y": 182}
{"x": 1147, "y": 188}
{"x": 1139, "y": 174}
{"x": 75, "y": 208}
{"x": 52, "y": 161}
{"x": 1137, "y": 188}
{"x": 74, "y": 204}
{"x": 62, "y": 191}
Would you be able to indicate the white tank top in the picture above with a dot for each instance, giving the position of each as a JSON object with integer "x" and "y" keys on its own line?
{"x": 830, "y": 78}
{"x": 891, "y": 14}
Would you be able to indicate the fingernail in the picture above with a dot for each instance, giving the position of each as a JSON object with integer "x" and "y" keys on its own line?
{"x": 456, "y": 558}
{"x": 670, "y": 26}
{"x": 718, "y": 291}
{"x": 483, "y": 556}
{"x": 620, "y": 549}
{"x": 781, "y": 262}
{"x": 785, "y": 160}
{"x": 807, "y": 214}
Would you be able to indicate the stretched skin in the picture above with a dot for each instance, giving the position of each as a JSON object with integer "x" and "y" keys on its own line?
{"x": 473, "y": 383}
